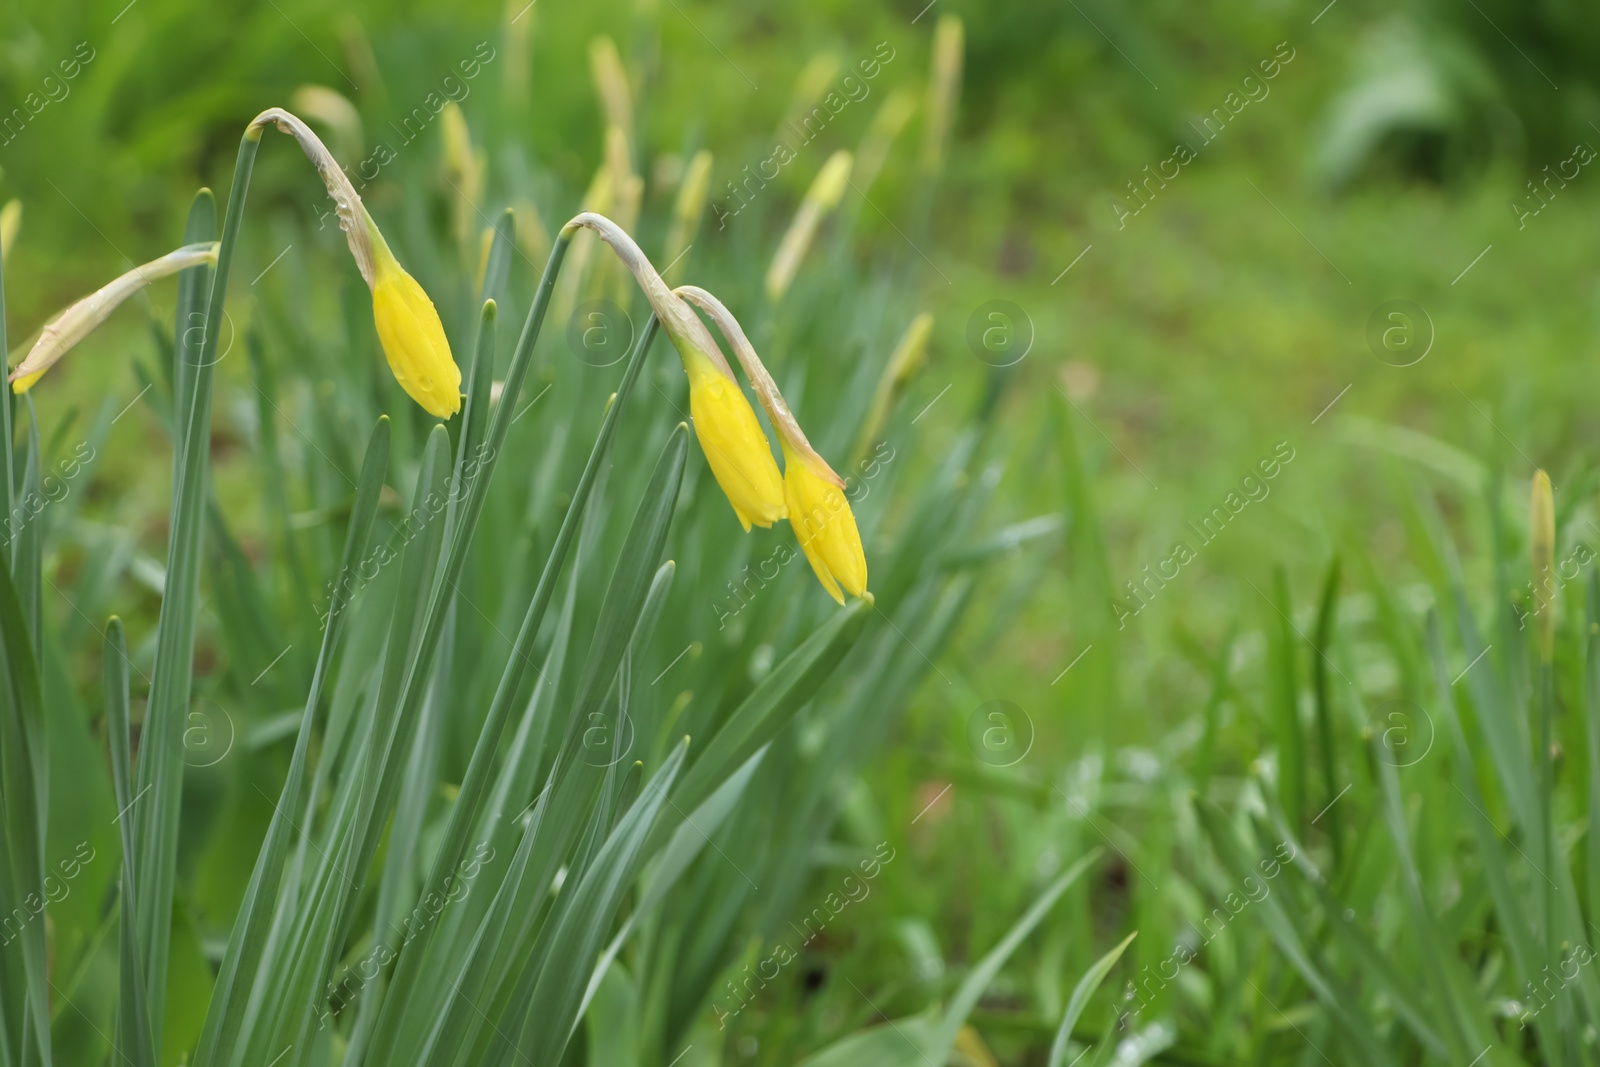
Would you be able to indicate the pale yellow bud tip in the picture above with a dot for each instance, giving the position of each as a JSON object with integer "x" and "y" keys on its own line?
{"x": 1542, "y": 548}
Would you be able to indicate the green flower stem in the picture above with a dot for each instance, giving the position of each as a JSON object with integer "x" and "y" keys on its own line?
{"x": 160, "y": 766}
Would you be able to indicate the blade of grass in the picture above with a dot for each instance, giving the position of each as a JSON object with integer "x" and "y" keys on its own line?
{"x": 160, "y": 767}
{"x": 552, "y": 1010}
{"x": 1286, "y": 702}
{"x": 1288, "y": 936}
{"x": 974, "y": 985}
{"x": 1323, "y": 639}
{"x": 22, "y": 756}
{"x": 247, "y": 941}
{"x": 1080, "y": 999}
{"x": 133, "y": 1019}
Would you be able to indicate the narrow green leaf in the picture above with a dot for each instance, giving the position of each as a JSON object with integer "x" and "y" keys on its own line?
{"x": 224, "y": 1017}
{"x": 585, "y": 915}
{"x": 1290, "y": 940}
{"x": 160, "y": 766}
{"x": 1286, "y": 702}
{"x": 1080, "y": 998}
{"x": 1321, "y": 651}
{"x": 898, "y": 1043}
{"x": 133, "y": 1019}
{"x": 22, "y": 755}
{"x": 774, "y": 702}
{"x": 26, "y": 566}
{"x": 974, "y": 985}
{"x": 498, "y": 270}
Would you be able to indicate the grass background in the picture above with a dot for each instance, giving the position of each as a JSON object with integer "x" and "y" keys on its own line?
{"x": 1169, "y": 356}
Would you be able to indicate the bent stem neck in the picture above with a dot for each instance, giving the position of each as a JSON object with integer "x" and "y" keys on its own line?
{"x": 353, "y": 218}
{"x": 676, "y": 317}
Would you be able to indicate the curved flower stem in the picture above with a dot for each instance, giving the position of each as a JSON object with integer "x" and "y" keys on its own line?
{"x": 347, "y": 202}
{"x": 783, "y": 419}
{"x": 676, "y": 317}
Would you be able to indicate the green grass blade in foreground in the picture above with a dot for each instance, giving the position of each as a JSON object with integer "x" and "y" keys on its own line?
{"x": 476, "y": 780}
{"x": 587, "y": 914}
{"x": 1503, "y": 723}
{"x": 774, "y": 702}
{"x": 1465, "y": 1038}
{"x": 470, "y": 449}
{"x": 21, "y": 756}
{"x": 133, "y": 1019}
{"x": 247, "y": 941}
{"x": 1372, "y": 962}
{"x": 26, "y": 567}
{"x": 1080, "y": 999}
{"x": 1517, "y": 927}
{"x": 1286, "y": 701}
{"x": 1320, "y": 664}
{"x": 1288, "y": 936}
{"x": 974, "y": 985}
{"x": 902, "y": 1043}
{"x": 925, "y": 1040}
{"x": 1591, "y": 709}
{"x": 7, "y": 410}
{"x": 160, "y": 768}
{"x": 687, "y": 842}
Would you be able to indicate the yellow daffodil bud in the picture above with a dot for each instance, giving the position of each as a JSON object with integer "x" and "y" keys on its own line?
{"x": 821, "y": 198}
{"x": 813, "y": 494}
{"x": 611, "y": 84}
{"x": 408, "y": 326}
{"x": 10, "y": 222}
{"x": 731, "y": 438}
{"x": 412, "y": 335}
{"x": 823, "y": 522}
{"x": 816, "y": 77}
{"x": 944, "y": 83}
{"x": 1542, "y": 545}
{"x": 687, "y": 211}
{"x": 908, "y": 355}
{"x": 61, "y": 333}
{"x": 879, "y": 138}
{"x": 726, "y": 426}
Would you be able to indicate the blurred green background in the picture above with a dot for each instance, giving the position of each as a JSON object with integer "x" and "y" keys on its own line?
{"x": 1355, "y": 238}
